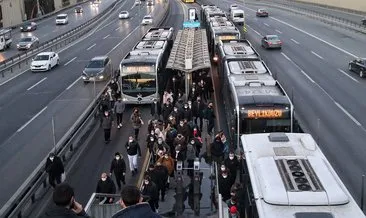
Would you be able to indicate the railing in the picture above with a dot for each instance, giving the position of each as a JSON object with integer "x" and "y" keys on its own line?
{"x": 10, "y": 64}
{"x": 96, "y": 209}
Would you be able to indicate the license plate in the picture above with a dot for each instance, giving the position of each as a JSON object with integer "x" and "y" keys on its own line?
{"x": 92, "y": 79}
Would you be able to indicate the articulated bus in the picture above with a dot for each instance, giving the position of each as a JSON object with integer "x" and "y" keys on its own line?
{"x": 286, "y": 175}
{"x": 155, "y": 34}
{"x": 221, "y": 33}
{"x": 209, "y": 12}
{"x": 188, "y": 1}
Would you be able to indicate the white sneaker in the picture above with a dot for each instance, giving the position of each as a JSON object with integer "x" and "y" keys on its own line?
{"x": 118, "y": 126}
{"x": 156, "y": 211}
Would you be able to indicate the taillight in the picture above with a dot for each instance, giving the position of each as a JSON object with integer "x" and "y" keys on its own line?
{"x": 280, "y": 42}
{"x": 269, "y": 43}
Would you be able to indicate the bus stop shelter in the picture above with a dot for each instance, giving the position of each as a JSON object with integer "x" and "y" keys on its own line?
{"x": 189, "y": 54}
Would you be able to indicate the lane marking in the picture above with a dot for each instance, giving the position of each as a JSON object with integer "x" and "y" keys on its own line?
{"x": 266, "y": 24}
{"x": 132, "y": 7}
{"x": 106, "y": 36}
{"x": 309, "y": 78}
{"x": 317, "y": 55}
{"x": 296, "y": 42}
{"x": 278, "y": 31}
{"x": 117, "y": 28}
{"x": 91, "y": 47}
{"x": 70, "y": 61}
{"x": 349, "y": 76}
{"x": 348, "y": 114}
{"x": 33, "y": 118}
{"x": 123, "y": 40}
{"x": 72, "y": 84}
{"x": 39, "y": 82}
{"x": 286, "y": 56}
{"x": 301, "y": 70}
{"x": 254, "y": 31}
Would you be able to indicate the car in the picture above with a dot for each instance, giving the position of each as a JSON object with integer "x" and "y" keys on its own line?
{"x": 261, "y": 13}
{"x": 79, "y": 9}
{"x": 150, "y": 2}
{"x": 271, "y": 41}
{"x": 233, "y": 7}
{"x": 28, "y": 42}
{"x": 62, "y": 19}
{"x": 124, "y": 15}
{"x": 147, "y": 20}
{"x": 99, "y": 68}
{"x": 28, "y": 26}
{"x": 358, "y": 66}
{"x": 137, "y": 2}
{"x": 363, "y": 21}
{"x": 45, "y": 61}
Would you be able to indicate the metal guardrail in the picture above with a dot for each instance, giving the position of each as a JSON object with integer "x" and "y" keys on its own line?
{"x": 16, "y": 61}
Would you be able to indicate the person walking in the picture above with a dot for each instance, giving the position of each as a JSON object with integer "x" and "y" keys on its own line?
{"x": 168, "y": 162}
{"x": 107, "y": 122}
{"x": 119, "y": 108}
{"x": 232, "y": 164}
{"x": 217, "y": 150}
{"x": 55, "y": 169}
{"x": 190, "y": 157}
{"x": 161, "y": 178}
{"x": 210, "y": 117}
{"x": 136, "y": 122}
{"x": 118, "y": 167}
{"x": 105, "y": 186}
{"x": 149, "y": 189}
{"x": 198, "y": 107}
{"x": 133, "y": 149}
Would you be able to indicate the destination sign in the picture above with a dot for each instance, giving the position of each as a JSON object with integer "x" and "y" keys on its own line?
{"x": 138, "y": 69}
{"x": 227, "y": 37}
{"x": 191, "y": 24}
{"x": 266, "y": 113}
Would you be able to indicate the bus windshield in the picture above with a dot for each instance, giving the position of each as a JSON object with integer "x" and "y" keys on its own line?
{"x": 137, "y": 79}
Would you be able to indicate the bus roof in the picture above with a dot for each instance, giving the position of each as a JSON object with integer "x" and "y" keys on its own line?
{"x": 4, "y": 31}
{"x": 143, "y": 56}
{"x": 159, "y": 34}
{"x": 150, "y": 45}
{"x": 240, "y": 48}
{"x": 225, "y": 29}
{"x": 291, "y": 178}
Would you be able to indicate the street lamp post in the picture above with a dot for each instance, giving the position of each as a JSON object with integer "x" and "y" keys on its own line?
{"x": 39, "y": 13}
{"x": 174, "y": 86}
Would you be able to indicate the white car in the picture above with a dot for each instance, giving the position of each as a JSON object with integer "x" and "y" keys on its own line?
{"x": 233, "y": 7}
{"x": 124, "y": 15}
{"x": 137, "y": 2}
{"x": 45, "y": 61}
{"x": 62, "y": 19}
{"x": 147, "y": 20}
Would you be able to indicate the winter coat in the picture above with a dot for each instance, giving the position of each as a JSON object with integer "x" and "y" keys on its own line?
{"x": 184, "y": 130}
{"x": 191, "y": 152}
{"x": 176, "y": 114}
{"x": 166, "y": 110}
{"x": 137, "y": 211}
{"x": 118, "y": 166}
{"x": 107, "y": 122}
{"x": 181, "y": 141}
{"x": 198, "y": 108}
{"x": 163, "y": 146}
{"x": 225, "y": 187}
{"x": 136, "y": 121}
{"x": 63, "y": 212}
{"x": 217, "y": 148}
{"x": 119, "y": 107}
{"x": 155, "y": 108}
{"x": 232, "y": 165}
{"x": 168, "y": 163}
{"x": 161, "y": 173}
{"x": 209, "y": 114}
{"x": 151, "y": 191}
{"x": 55, "y": 167}
{"x": 106, "y": 187}
{"x": 166, "y": 96}
{"x": 187, "y": 114}
{"x": 133, "y": 148}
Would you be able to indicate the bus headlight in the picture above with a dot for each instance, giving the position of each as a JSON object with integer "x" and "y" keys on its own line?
{"x": 124, "y": 99}
{"x": 101, "y": 77}
{"x": 215, "y": 58}
{"x": 83, "y": 77}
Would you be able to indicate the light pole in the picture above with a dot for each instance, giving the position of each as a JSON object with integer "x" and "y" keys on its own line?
{"x": 39, "y": 13}
{"x": 174, "y": 86}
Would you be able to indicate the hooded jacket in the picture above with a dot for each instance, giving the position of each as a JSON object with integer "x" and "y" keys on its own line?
{"x": 62, "y": 212}
{"x": 137, "y": 211}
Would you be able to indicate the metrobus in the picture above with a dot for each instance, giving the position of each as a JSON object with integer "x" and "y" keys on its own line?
{"x": 286, "y": 175}
{"x": 209, "y": 12}
{"x": 155, "y": 34}
{"x": 218, "y": 33}
{"x": 188, "y": 1}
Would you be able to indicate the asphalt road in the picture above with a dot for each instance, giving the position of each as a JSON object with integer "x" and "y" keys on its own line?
{"x": 26, "y": 138}
{"x": 47, "y": 29}
{"x": 342, "y": 14}
{"x": 312, "y": 67}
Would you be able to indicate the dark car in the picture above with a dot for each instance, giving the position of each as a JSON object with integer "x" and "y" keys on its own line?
{"x": 271, "y": 41}
{"x": 28, "y": 26}
{"x": 78, "y": 9}
{"x": 28, "y": 42}
{"x": 98, "y": 69}
{"x": 261, "y": 13}
{"x": 358, "y": 66}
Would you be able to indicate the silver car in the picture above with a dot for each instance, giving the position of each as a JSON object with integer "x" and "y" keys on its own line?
{"x": 98, "y": 69}
{"x": 28, "y": 42}
{"x": 271, "y": 41}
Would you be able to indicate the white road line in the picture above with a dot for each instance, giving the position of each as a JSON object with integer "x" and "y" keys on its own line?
{"x": 67, "y": 63}
{"x": 307, "y": 76}
{"x": 301, "y": 70}
{"x": 348, "y": 114}
{"x": 37, "y": 84}
{"x": 317, "y": 55}
{"x": 106, "y": 36}
{"x": 117, "y": 28}
{"x": 123, "y": 40}
{"x": 254, "y": 31}
{"x": 283, "y": 54}
{"x": 132, "y": 7}
{"x": 91, "y": 47}
{"x": 72, "y": 84}
{"x": 33, "y": 118}
{"x": 296, "y": 42}
{"x": 278, "y": 31}
{"x": 266, "y": 24}
{"x": 349, "y": 76}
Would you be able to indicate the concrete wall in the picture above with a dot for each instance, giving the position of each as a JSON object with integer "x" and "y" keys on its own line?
{"x": 13, "y": 12}
{"x": 357, "y": 5}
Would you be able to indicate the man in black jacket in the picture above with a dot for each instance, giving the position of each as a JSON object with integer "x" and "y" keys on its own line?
{"x": 65, "y": 204}
{"x": 106, "y": 186}
{"x": 197, "y": 111}
{"x": 118, "y": 167}
{"x": 149, "y": 189}
{"x": 55, "y": 169}
{"x": 161, "y": 178}
{"x": 133, "y": 149}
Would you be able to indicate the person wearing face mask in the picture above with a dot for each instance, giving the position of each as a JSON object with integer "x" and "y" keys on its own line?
{"x": 161, "y": 178}
{"x": 162, "y": 146}
{"x": 202, "y": 89}
{"x": 136, "y": 122}
{"x": 224, "y": 185}
{"x": 226, "y": 144}
{"x": 217, "y": 150}
{"x": 232, "y": 164}
{"x": 167, "y": 97}
{"x": 175, "y": 113}
{"x": 183, "y": 129}
{"x": 119, "y": 108}
{"x": 210, "y": 117}
{"x": 133, "y": 149}
{"x": 167, "y": 110}
{"x": 150, "y": 143}
{"x": 198, "y": 108}
{"x": 114, "y": 87}
{"x": 118, "y": 167}
{"x": 155, "y": 109}
{"x": 149, "y": 189}
{"x": 55, "y": 169}
{"x": 180, "y": 140}
{"x": 233, "y": 212}
{"x": 193, "y": 93}
{"x": 187, "y": 112}
{"x": 105, "y": 186}
{"x": 111, "y": 96}
{"x": 168, "y": 162}
{"x": 197, "y": 144}
{"x": 65, "y": 205}
{"x": 107, "y": 122}
{"x": 191, "y": 156}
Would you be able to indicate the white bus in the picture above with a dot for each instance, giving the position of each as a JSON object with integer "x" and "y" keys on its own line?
{"x": 5, "y": 39}
{"x": 288, "y": 176}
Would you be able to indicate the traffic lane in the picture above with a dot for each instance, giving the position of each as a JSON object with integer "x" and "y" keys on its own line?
{"x": 313, "y": 57}
{"x": 23, "y": 152}
{"x": 48, "y": 30}
{"x": 346, "y": 40}
{"x": 97, "y": 157}
{"x": 319, "y": 115}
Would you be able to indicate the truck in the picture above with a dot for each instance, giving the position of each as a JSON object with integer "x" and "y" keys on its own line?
{"x": 5, "y": 39}
{"x": 237, "y": 16}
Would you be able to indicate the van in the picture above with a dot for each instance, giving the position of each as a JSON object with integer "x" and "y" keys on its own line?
{"x": 62, "y": 19}
{"x": 5, "y": 39}
{"x": 237, "y": 16}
